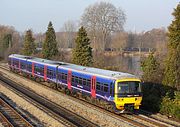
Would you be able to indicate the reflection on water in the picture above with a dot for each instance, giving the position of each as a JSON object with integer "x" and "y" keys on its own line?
{"x": 134, "y": 64}
{"x": 129, "y": 64}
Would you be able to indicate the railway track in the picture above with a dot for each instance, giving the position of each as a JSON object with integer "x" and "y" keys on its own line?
{"x": 143, "y": 114}
{"x": 64, "y": 116}
{"x": 148, "y": 121}
{"x": 10, "y": 117}
{"x": 132, "y": 119}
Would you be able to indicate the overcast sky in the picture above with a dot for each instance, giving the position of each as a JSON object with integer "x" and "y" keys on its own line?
{"x": 142, "y": 15}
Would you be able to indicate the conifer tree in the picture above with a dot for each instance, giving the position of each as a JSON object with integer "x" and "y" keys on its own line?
{"x": 172, "y": 66}
{"x": 7, "y": 41}
{"x": 29, "y": 45}
{"x": 151, "y": 69}
{"x": 50, "y": 48}
{"x": 82, "y": 53}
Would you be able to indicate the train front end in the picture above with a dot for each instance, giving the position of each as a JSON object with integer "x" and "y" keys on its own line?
{"x": 128, "y": 94}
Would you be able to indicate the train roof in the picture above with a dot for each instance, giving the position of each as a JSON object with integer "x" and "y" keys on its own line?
{"x": 35, "y": 59}
{"x": 19, "y": 56}
{"x": 96, "y": 71}
{"x": 102, "y": 72}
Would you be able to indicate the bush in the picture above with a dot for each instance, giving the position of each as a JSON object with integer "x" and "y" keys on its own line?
{"x": 171, "y": 107}
{"x": 152, "y": 96}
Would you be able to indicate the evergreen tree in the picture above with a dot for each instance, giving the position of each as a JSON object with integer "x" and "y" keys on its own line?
{"x": 151, "y": 70}
{"x": 172, "y": 66}
{"x": 7, "y": 41}
{"x": 82, "y": 54}
{"x": 50, "y": 48}
{"x": 29, "y": 45}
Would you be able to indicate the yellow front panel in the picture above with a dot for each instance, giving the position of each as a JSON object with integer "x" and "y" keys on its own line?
{"x": 128, "y": 100}
{"x": 120, "y": 102}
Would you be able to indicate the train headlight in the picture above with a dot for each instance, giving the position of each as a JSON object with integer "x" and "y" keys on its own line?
{"x": 120, "y": 99}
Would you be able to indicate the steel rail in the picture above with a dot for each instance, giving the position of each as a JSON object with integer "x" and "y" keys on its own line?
{"x": 12, "y": 115}
{"x": 66, "y": 115}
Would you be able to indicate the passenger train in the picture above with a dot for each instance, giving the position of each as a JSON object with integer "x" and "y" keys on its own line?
{"x": 115, "y": 91}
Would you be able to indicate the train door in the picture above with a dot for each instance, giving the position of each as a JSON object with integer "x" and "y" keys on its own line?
{"x": 19, "y": 66}
{"x": 69, "y": 79}
{"x": 45, "y": 72}
{"x": 57, "y": 75}
{"x": 32, "y": 69}
{"x": 93, "y": 86}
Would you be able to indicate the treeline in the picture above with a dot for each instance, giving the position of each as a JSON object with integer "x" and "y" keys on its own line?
{"x": 161, "y": 76}
{"x": 153, "y": 39}
{"x": 104, "y": 25}
{"x": 119, "y": 41}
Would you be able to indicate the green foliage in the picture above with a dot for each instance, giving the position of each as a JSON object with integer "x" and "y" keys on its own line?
{"x": 7, "y": 40}
{"x": 161, "y": 98}
{"x": 82, "y": 53}
{"x": 5, "y": 43}
{"x": 29, "y": 45}
{"x": 151, "y": 69}
{"x": 152, "y": 94}
{"x": 170, "y": 106}
{"x": 50, "y": 48}
{"x": 172, "y": 67}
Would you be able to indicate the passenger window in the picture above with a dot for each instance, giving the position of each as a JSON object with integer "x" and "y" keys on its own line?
{"x": 29, "y": 67}
{"x": 88, "y": 82}
{"x": 42, "y": 69}
{"x": 76, "y": 79}
{"x": 105, "y": 87}
{"x": 23, "y": 66}
{"x": 111, "y": 89}
{"x": 101, "y": 86}
{"x": 65, "y": 76}
{"x": 80, "y": 81}
{"x": 98, "y": 87}
{"x": 73, "y": 79}
{"x": 84, "y": 82}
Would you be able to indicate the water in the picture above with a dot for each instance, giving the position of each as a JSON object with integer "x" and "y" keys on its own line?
{"x": 130, "y": 64}
{"x": 133, "y": 64}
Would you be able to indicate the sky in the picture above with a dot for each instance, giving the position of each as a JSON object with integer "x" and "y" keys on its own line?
{"x": 142, "y": 15}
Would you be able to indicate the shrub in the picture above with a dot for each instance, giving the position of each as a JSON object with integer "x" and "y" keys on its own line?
{"x": 171, "y": 107}
{"x": 151, "y": 96}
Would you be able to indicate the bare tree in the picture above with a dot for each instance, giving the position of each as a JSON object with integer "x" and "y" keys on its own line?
{"x": 9, "y": 41}
{"x": 155, "y": 38}
{"x": 119, "y": 41}
{"x": 69, "y": 26}
{"x": 102, "y": 19}
{"x": 69, "y": 29}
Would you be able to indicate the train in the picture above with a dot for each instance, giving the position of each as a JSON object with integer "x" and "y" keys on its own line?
{"x": 112, "y": 90}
